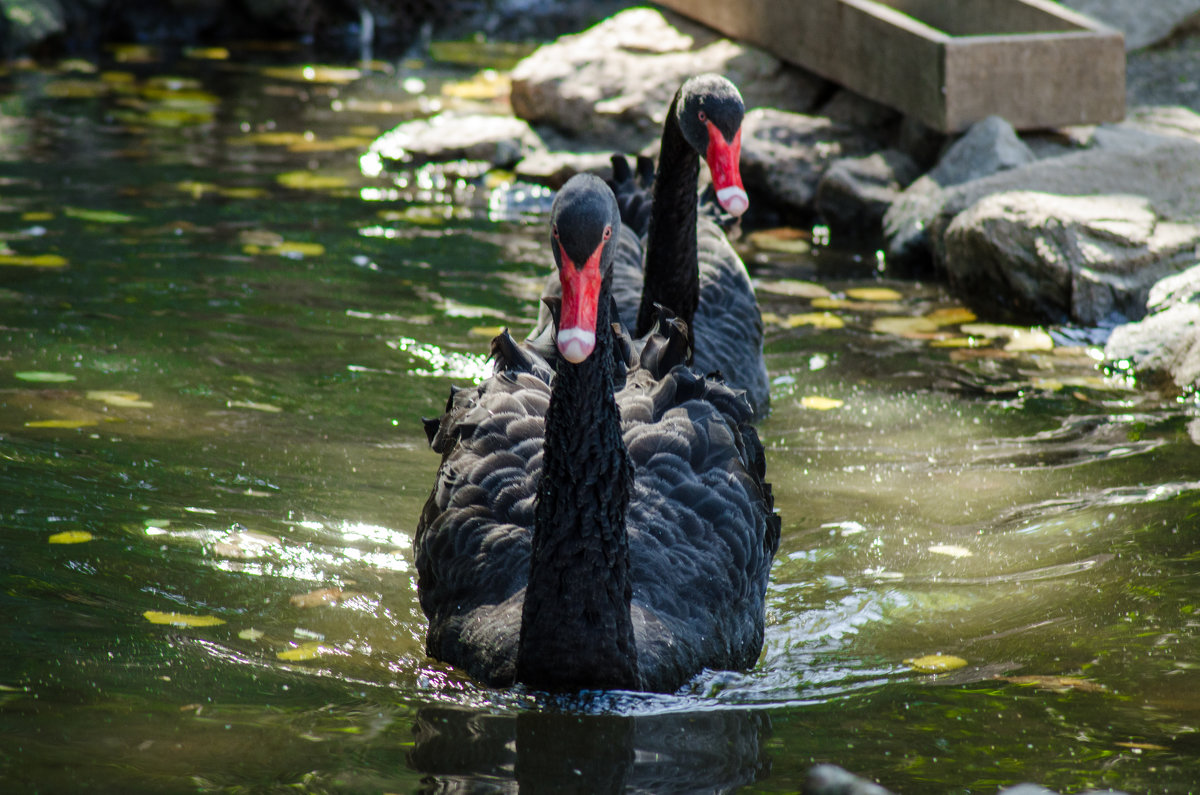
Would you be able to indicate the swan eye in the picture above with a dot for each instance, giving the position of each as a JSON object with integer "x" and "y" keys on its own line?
{"x": 702, "y": 116}
{"x": 554, "y": 231}
{"x": 607, "y": 232}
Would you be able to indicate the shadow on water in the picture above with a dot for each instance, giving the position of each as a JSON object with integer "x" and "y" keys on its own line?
{"x": 218, "y": 336}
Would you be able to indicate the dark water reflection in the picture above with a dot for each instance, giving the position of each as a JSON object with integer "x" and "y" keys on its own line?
{"x": 219, "y": 373}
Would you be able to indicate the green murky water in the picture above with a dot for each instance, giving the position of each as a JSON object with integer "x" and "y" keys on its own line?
{"x": 217, "y": 337}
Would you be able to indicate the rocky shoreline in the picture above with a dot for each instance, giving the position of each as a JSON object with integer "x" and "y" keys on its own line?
{"x": 1072, "y": 226}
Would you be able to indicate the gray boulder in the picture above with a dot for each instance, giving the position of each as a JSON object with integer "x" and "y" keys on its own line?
{"x": 611, "y": 84}
{"x": 554, "y": 168}
{"x": 1087, "y": 259}
{"x": 1164, "y": 348}
{"x": 855, "y": 192}
{"x": 784, "y": 155}
{"x": 1143, "y": 23}
{"x": 988, "y": 147}
{"x": 498, "y": 140}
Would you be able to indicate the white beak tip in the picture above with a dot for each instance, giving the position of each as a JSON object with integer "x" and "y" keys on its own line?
{"x": 734, "y": 200}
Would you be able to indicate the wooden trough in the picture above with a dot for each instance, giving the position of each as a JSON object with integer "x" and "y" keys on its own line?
{"x": 948, "y": 63}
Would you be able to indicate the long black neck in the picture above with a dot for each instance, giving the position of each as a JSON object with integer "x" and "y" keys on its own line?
{"x": 672, "y": 276}
{"x": 576, "y": 629}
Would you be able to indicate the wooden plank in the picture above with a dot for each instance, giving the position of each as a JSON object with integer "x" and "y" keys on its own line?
{"x": 947, "y": 64}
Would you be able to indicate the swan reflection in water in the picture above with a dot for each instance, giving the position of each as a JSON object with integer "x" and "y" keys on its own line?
{"x": 468, "y": 750}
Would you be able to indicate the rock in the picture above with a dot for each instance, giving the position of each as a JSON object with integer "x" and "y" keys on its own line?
{"x": 989, "y": 146}
{"x": 612, "y": 84}
{"x": 26, "y": 24}
{"x": 855, "y": 192}
{"x": 833, "y": 780}
{"x": 1086, "y": 259}
{"x": 1142, "y": 23}
{"x": 1164, "y": 348}
{"x": 553, "y": 169}
{"x": 499, "y": 140}
{"x": 784, "y": 155}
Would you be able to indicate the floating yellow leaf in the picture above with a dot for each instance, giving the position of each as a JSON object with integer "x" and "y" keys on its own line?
{"x": 957, "y": 342}
{"x": 315, "y": 74}
{"x": 70, "y": 537}
{"x": 181, "y": 619}
{"x": 784, "y": 240}
{"x": 307, "y": 180}
{"x": 75, "y": 89}
{"x": 322, "y": 596}
{"x": 251, "y": 634}
{"x": 486, "y": 331}
{"x": 60, "y": 423}
{"x": 1028, "y": 340}
{"x": 269, "y": 138}
{"x": 488, "y": 84}
{"x": 287, "y": 248}
{"x": 118, "y": 78}
{"x": 873, "y": 294}
{"x": 936, "y": 663}
{"x": 772, "y": 319}
{"x": 908, "y": 327}
{"x": 44, "y": 377}
{"x": 824, "y": 320}
{"x": 249, "y": 404}
{"x": 207, "y": 53}
{"x": 338, "y": 143}
{"x": 97, "y": 216}
{"x": 818, "y": 403}
{"x": 951, "y": 316}
{"x": 133, "y": 53}
{"x": 130, "y": 400}
{"x": 305, "y": 651}
{"x": 36, "y": 261}
{"x": 1060, "y": 684}
{"x": 795, "y": 288}
{"x": 1143, "y": 746}
{"x": 951, "y": 550}
{"x": 37, "y": 216}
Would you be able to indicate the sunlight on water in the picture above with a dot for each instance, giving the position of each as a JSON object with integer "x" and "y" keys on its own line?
{"x": 212, "y": 380}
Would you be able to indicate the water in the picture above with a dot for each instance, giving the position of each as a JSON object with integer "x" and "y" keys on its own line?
{"x": 217, "y": 368}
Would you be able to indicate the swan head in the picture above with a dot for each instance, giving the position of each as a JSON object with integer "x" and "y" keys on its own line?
{"x": 710, "y": 112}
{"x": 584, "y": 225}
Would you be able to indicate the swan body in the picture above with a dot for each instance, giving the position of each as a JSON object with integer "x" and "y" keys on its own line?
{"x": 602, "y": 520}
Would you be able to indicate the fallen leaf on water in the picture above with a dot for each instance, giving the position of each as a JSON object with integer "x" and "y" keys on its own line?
{"x": 907, "y": 327}
{"x": 486, "y": 331}
{"x": 251, "y": 634}
{"x": 957, "y": 342}
{"x": 181, "y": 619}
{"x": 242, "y": 543}
{"x": 75, "y": 89}
{"x": 287, "y": 248}
{"x": 44, "y": 376}
{"x": 488, "y": 84}
{"x": 37, "y": 216}
{"x": 935, "y": 663}
{"x": 206, "y": 53}
{"x": 825, "y": 320}
{"x": 784, "y": 240}
{"x": 305, "y": 651}
{"x": 322, "y": 596}
{"x": 130, "y": 400}
{"x": 61, "y": 423}
{"x": 307, "y": 180}
{"x": 873, "y": 294}
{"x": 338, "y": 143}
{"x": 953, "y": 550}
{"x": 1143, "y": 746}
{"x": 1020, "y": 339}
{"x": 313, "y": 73}
{"x": 951, "y": 316}
{"x": 794, "y": 287}
{"x": 818, "y": 403}
{"x": 133, "y": 53}
{"x": 249, "y": 404}
{"x": 856, "y": 306}
{"x": 70, "y": 537}
{"x": 97, "y": 216}
{"x": 1060, "y": 684}
{"x": 34, "y": 261}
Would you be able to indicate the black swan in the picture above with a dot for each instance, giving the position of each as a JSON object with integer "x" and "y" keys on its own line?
{"x": 601, "y": 525}
{"x": 672, "y": 256}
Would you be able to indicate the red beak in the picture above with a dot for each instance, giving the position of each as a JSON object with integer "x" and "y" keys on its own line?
{"x": 580, "y": 297}
{"x": 723, "y": 160}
